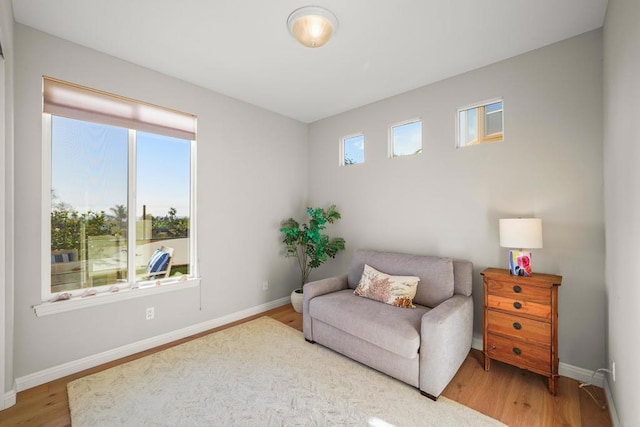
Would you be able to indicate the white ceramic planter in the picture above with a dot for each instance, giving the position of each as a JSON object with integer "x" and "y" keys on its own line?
{"x": 296, "y": 300}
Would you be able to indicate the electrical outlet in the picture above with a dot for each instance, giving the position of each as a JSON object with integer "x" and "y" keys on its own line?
{"x": 613, "y": 371}
{"x": 151, "y": 313}
{"x": 265, "y": 285}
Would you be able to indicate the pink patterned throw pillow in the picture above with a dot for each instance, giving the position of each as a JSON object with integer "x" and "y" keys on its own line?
{"x": 394, "y": 290}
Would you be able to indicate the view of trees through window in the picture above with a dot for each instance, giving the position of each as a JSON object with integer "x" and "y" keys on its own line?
{"x": 353, "y": 149}
{"x": 68, "y": 225}
{"x": 406, "y": 138}
{"x": 90, "y": 186}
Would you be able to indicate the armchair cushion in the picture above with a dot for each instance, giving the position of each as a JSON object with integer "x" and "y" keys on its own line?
{"x": 391, "y": 328}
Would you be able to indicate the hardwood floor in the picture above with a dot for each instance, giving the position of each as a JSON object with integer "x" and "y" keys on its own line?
{"x": 506, "y": 393}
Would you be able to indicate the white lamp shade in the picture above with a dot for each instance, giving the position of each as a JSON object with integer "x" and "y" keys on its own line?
{"x": 521, "y": 233}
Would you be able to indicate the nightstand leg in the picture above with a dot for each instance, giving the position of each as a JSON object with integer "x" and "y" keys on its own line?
{"x": 553, "y": 384}
{"x": 487, "y": 361}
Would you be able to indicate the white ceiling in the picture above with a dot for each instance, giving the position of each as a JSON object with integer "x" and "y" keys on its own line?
{"x": 242, "y": 48}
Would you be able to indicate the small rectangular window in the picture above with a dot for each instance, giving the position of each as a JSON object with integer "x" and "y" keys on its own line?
{"x": 405, "y": 138}
{"x": 481, "y": 123}
{"x": 352, "y": 150}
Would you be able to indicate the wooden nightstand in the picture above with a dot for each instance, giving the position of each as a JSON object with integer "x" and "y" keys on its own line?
{"x": 521, "y": 321}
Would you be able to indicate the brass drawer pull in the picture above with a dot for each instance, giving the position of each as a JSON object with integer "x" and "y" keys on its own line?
{"x": 517, "y": 289}
{"x": 517, "y": 305}
{"x": 517, "y": 325}
{"x": 517, "y": 351}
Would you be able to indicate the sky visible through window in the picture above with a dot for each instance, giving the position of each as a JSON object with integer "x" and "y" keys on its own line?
{"x": 407, "y": 139}
{"x": 353, "y": 149}
{"x": 90, "y": 168}
{"x": 496, "y": 106}
{"x": 471, "y": 116}
{"x": 163, "y": 174}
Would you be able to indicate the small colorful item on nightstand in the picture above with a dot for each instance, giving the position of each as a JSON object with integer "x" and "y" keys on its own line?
{"x": 520, "y": 233}
{"x": 520, "y": 263}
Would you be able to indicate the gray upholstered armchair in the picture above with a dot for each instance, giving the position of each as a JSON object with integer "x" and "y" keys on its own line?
{"x": 422, "y": 346}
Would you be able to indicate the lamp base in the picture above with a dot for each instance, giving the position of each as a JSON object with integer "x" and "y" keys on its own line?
{"x": 520, "y": 263}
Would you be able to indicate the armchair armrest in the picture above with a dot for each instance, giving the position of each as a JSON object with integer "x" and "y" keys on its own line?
{"x": 314, "y": 289}
{"x": 445, "y": 340}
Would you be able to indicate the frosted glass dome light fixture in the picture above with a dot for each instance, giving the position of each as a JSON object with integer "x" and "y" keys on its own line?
{"x": 312, "y": 26}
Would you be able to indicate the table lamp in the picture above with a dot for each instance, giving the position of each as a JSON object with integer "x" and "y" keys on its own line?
{"x": 520, "y": 233}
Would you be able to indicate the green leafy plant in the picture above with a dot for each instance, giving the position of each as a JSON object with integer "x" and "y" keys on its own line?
{"x": 306, "y": 242}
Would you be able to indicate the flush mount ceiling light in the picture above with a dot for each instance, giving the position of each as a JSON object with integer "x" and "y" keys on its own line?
{"x": 312, "y": 25}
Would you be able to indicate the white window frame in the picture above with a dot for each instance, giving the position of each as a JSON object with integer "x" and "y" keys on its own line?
{"x": 481, "y": 139}
{"x": 403, "y": 123}
{"x": 132, "y": 289}
{"x": 341, "y": 160}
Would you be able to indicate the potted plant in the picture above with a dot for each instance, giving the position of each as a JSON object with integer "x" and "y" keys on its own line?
{"x": 309, "y": 246}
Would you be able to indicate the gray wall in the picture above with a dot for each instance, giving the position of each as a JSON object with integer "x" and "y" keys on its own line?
{"x": 622, "y": 202}
{"x": 447, "y": 201}
{"x": 251, "y": 174}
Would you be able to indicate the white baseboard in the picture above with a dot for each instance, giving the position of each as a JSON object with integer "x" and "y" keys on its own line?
{"x": 55, "y": 372}
{"x": 564, "y": 369}
{"x": 615, "y": 421}
{"x": 581, "y": 374}
{"x": 9, "y": 399}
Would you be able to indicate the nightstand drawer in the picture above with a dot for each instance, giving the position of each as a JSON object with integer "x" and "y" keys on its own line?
{"x": 521, "y": 354}
{"x": 528, "y": 330}
{"x": 520, "y": 292}
{"x": 519, "y": 306}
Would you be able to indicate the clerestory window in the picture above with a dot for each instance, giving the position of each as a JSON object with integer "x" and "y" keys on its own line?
{"x": 481, "y": 123}
{"x": 405, "y": 138}
{"x": 352, "y": 149}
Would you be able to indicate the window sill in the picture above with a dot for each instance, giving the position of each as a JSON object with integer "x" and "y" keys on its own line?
{"x": 47, "y": 308}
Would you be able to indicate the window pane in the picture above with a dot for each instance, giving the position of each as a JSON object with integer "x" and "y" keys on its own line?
{"x": 407, "y": 139}
{"x": 468, "y": 126}
{"x": 88, "y": 204}
{"x": 493, "y": 123}
{"x": 472, "y": 125}
{"x": 163, "y": 205}
{"x": 353, "y": 150}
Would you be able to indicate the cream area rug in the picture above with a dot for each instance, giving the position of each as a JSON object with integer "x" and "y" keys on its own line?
{"x": 260, "y": 373}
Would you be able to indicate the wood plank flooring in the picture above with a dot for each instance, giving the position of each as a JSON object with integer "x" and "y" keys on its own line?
{"x": 506, "y": 393}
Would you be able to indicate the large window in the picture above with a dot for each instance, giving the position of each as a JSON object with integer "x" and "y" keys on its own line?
{"x": 121, "y": 208}
{"x": 480, "y": 123}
